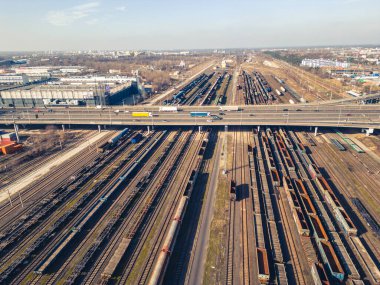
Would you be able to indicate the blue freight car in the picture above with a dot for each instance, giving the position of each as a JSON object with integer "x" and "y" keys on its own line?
{"x": 136, "y": 139}
{"x": 179, "y": 95}
{"x": 116, "y": 138}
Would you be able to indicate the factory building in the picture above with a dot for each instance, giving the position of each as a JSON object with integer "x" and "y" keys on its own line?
{"x": 107, "y": 80}
{"x": 320, "y": 62}
{"x": 13, "y": 79}
{"x": 72, "y": 92}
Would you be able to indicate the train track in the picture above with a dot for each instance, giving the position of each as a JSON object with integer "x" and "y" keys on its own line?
{"x": 159, "y": 185}
{"x": 290, "y": 239}
{"x": 42, "y": 228}
{"x": 180, "y": 186}
{"x": 341, "y": 171}
{"x": 133, "y": 220}
{"x": 25, "y": 168}
{"x": 244, "y": 208}
{"x": 47, "y": 182}
{"x": 113, "y": 208}
{"x": 36, "y": 232}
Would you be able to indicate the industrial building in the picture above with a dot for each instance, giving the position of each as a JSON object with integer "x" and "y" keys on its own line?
{"x": 71, "y": 91}
{"x": 320, "y": 62}
{"x": 13, "y": 79}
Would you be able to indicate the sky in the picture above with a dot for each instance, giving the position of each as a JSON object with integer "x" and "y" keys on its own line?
{"x": 28, "y": 25}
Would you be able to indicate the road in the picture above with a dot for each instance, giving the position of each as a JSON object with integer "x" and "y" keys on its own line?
{"x": 358, "y": 116}
{"x": 200, "y": 252}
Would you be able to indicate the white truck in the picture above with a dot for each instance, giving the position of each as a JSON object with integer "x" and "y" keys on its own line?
{"x": 168, "y": 109}
{"x": 229, "y": 108}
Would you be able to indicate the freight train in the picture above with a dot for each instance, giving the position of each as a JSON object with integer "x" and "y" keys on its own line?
{"x": 170, "y": 238}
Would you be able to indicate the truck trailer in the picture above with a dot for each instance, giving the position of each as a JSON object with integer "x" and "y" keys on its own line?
{"x": 229, "y": 108}
{"x": 199, "y": 114}
{"x": 168, "y": 109}
{"x": 142, "y": 114}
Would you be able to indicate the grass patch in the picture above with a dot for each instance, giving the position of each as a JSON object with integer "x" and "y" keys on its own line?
{"x": 217, "y": 247}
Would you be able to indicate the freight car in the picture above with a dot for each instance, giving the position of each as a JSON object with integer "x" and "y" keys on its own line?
{"x": 136, "y": 139}
{"x": 331, "y": 260}
{"x": 116, "y": 138}
{"x": 169, "y": 242}
{"x": 371, "y": 222}
{"x": 232, "y": 190}
{"x": 179, "y": 95}
{"x": 319, "y": 275}
{"x": 354, "y": 146}
{"x": 338, "y": 145}
{"x": 103, "y": 147}
{"x": 263, "y": 265}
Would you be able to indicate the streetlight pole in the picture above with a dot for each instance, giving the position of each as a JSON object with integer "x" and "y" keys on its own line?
{"x": 340, "y": 113}
{"x": 68, "y": 112}
{"x": 287, "y": 121}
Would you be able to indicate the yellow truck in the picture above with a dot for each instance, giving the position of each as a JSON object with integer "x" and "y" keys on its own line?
{"x": 141, "y": 114}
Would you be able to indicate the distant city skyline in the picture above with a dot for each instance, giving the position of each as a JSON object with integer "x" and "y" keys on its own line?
{"x": 168, "y": 24}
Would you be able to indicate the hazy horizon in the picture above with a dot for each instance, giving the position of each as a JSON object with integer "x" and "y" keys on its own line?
{"x": 169, "y": 25}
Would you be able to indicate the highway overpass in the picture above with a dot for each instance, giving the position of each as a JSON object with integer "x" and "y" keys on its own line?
{"x": 357, "y": 116}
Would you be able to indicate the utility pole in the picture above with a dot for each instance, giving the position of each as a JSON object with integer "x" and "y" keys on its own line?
{"x": 16, "y": 129}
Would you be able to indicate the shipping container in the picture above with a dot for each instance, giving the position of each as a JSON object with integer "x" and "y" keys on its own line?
{"x": 282, "y": 89}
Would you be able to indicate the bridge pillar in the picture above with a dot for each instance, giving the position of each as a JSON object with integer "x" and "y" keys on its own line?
{"x": 199, "y": 129}
{"x": 316, "y": 131}
{"x": 148, "y": 127}
{"x": 99, "y": 128}
{"x": 63, "y": 128}
{"x": 226, "y": 128}
{"x": 258, "y": 129}
{"x": 16, "y": 132}
{"x": 368, "y": 132}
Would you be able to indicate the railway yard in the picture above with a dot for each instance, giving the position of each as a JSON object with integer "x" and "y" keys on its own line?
{"x": 210, "y": 205}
